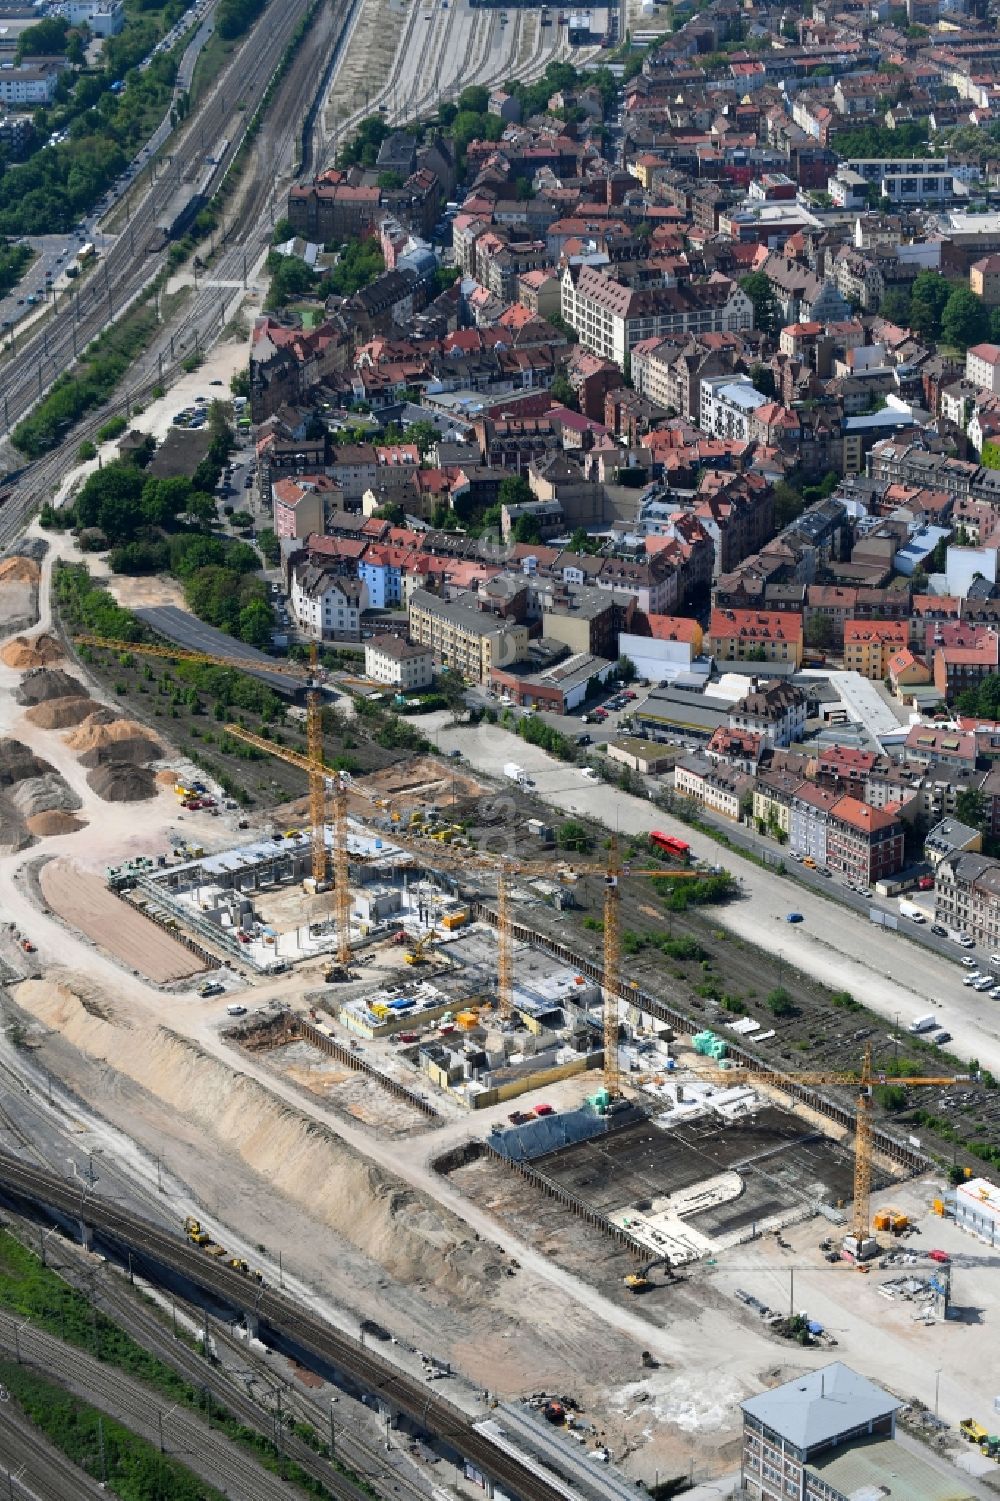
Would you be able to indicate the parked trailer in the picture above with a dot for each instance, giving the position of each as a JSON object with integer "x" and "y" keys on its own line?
{"x": 926, "y": 1023}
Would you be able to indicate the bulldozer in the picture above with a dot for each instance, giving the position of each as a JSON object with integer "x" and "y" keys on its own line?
{"x": 639, "y": 1282}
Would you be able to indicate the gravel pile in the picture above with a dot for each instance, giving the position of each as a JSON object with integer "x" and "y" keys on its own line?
{"x": 44, "y": 683}
{"x": 116, "y": 783}
{"x": 29, "y": 787}
{"x": 98, "y": 741}
{"x": 60, "y": 713}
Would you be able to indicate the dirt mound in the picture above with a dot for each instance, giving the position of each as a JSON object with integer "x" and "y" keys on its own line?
{"x": 135, "y": 752}
{"x": 17, "y": 763}
{"x": 19, "y": 571}
{"x": 24, "y": 652}
{"x": 44, "y": 683}
{"x": 413, "y": 1238}
{"x": 60, "y": 713}
{"x": 167, "y": 779}
{"x": 116, "y": 783}
{"x": 45, "y": 825}
{"x": 28, "y": 787}
{"x": 97, "y": 734}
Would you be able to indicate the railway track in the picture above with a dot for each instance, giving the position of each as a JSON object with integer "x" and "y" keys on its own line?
{"x": 159, "y": 1249}
{"x": 129, "y": 265}
{"x": 33, "y": 1469}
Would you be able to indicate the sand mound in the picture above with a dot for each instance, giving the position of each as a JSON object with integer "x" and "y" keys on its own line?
{"x": 116, "y": 783}
{"x": 60, "y": 713}
{"x": 97, "y": 734}
{"x": 135, "y": 752}
{"x": 413, "y": 1238}
{"x": 19, "y": 571}
{"x": 44, "y": 683}
{"x": 44, "y": 825}
{"x": 24, "y": 651}
{"x": 167, "y": 778}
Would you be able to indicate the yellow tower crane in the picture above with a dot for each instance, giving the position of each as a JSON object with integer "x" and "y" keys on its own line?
{"x": 864, "y": 1081}
{"x": 314, "y": 718}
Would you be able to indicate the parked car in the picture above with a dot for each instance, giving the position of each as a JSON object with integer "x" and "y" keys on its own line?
{"x": 941, "y": 1256}
{"x": 938, "y": 931}
{"x": 793, "y": 917}
{"x": 969, "y": 962}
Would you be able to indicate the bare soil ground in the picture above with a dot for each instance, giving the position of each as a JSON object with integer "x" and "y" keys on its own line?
{"x": 356, "y": 1095}
{"x": 81, "y": 899}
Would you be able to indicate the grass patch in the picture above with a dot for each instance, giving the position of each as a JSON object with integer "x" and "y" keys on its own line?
{"x": 134, "y": 1469}
{"x": 30, "y": 1290}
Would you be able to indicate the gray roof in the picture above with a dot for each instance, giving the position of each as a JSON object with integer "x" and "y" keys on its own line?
{"x": 883, "y": 1469}
{"x": 817, "y": 1407}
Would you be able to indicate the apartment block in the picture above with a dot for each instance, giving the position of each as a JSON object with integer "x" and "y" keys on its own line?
{"x": 869, "y": 646}
{"x": 967, "y": 897}
{"x": 465, "y": 638}
{"x": 755, "y": 636}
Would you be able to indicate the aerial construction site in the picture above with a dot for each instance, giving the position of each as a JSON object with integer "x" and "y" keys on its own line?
{"x": 388, "y": 1047}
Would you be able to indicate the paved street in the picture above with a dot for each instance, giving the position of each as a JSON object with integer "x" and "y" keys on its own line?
{"x": 836, "y": 945}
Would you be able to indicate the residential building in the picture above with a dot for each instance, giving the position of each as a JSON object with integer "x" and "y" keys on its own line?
{"x": 982, "y": 367}
{"x": 755, "y": 636}
{"x": 809, "y": 815}
{"x": 718, "y": 788}
{"x": 611, "y": 317}
{"x": 728, "y": 403}
{"x": 776, "y": 711}
{"x": 669, "y": 649}
{"x": 950, "y": 837}
{"x": 355, "y": 467}
{"x": 326, "y": 603}
{"x": 967, "y": 897}
{"x": 401, "y": 664}
{"x": 297, "y": 509}
{"x": 465, "y": 638}
{"x": 787, "y": 1429}
{"x": 28, "y": 86}
{"x": 869, "y": 646}
{"x": 984, "y": 279}
{"x": 863, "y": 843}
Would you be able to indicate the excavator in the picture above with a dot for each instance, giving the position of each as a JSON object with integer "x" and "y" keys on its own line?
{"x": 418, "y": 947}
{"x": 639, "y": 1282}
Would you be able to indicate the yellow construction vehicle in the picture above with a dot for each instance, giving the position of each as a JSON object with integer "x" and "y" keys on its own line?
{"x": 239, "y": 1265}
{"x": 639, "y": 1282}
{"x": 195, "y": 1233}
{"x": 417, "y": 953}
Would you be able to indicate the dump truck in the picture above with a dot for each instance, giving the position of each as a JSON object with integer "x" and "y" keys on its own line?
{"x": 974, "y": 1432}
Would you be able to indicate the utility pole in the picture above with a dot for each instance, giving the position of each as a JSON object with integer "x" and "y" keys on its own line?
{"x": 333, "y": 1436}
{"x": 100, "y": 1444}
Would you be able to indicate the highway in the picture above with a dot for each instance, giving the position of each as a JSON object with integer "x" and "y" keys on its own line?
{"x": 263, "y": 1305}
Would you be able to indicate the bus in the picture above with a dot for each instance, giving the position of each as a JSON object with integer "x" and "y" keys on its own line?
{"x": 677, "y": 848}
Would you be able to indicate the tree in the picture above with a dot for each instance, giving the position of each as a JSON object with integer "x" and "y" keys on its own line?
{"x": 895, "y": 306}
{"x": 819, "y": 632}
{"x": 46, "y": 39}
{"x": 390, "y": 180}
{"x": 514, "y": 491}
{"x": 424, "y": 434}
{"x": 256, "y": 621}
{"x": 766, "y": 314}
{"x": 971, "y": 808}
{"x": 625, "y": 668}
{"x": 965, "y": 320}
{"x": 392, "y": 512}
{"x": 560, "y": 390}
{"x": 573, "y": 836}
{"x": 928, "y": 299}
{"x": 526, "y": 529}
{"x": 269, "y": 545}
{"x": 763, "y": 379}
{"x": 789, "y": 504}
{"x": 475, "y": 98}
{"x": 780, "y": 1003}
{"x": 282, "y": 232}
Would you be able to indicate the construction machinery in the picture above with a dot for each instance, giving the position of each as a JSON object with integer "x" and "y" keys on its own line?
{"x": 859, "y": 1241}
{"x": 639, "y": 1282}
{"x": 417, "y": 952}
{"x": 195, "y": 1234}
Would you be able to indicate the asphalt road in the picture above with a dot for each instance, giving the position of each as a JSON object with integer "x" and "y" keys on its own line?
{"x": 838, "y": 946}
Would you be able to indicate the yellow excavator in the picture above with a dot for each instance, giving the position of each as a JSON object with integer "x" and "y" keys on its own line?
{"x": 417, "y": 952}
{"x": 638, "y": 1282}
